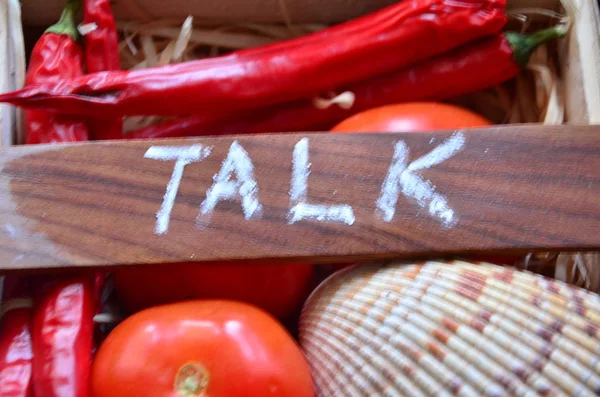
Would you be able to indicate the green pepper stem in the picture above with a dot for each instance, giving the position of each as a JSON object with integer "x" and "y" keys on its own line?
{"x": 524, "y": 45}
{"x": 66, "y": 24}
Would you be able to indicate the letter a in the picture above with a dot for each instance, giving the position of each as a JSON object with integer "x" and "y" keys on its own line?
{"x": 224, "y": 188}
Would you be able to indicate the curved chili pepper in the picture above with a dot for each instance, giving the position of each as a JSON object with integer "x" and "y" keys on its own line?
{"x": 62, "y": 339}
{"x": 384, "y": 41}
{"x": 101, "y": 54}
{"x": 16, "y": 352}
{"x": 55, "y": 56}
{"x": 469, "y": 69}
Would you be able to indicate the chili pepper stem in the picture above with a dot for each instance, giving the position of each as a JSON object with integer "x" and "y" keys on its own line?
{"x": 66, "y": 24}
{"x": 524, "y": 45}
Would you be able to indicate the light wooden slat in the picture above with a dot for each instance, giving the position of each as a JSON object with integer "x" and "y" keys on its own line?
{"x": 503, "y": 189}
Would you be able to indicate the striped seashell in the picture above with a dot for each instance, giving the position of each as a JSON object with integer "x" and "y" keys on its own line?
{"x": 441, "y": 329}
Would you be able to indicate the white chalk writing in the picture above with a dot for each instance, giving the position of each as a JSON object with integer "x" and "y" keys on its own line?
{"x": 182, "y": 155}
{"x": 402, "y": 177}
{"x": 244, "y": 186}
{"x": 299, "y": 207}
{"x": 236, "y": 181}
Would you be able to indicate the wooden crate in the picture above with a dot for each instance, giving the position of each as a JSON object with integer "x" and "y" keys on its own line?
{"x": 95, "y": 204}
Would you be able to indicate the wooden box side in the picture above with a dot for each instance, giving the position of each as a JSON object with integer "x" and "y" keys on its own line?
{"x": 580, "y": 61}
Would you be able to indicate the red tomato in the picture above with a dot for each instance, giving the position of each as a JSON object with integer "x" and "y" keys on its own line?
{"x": 278, "y": 289}
{"x": 200, "y": 348}
{"x": 412, "y": 117}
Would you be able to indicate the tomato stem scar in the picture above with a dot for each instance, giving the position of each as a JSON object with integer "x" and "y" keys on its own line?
{"x": 191, "y": 380}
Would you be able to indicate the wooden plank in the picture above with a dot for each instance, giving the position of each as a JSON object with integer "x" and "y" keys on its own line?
{"x": 505, "y": 189}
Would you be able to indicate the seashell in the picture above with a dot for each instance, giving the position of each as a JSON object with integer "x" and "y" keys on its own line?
{"x": 454, "y": 328}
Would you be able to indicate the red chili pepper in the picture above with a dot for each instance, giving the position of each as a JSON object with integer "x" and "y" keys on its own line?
{"x": 56, "y": 55}
{"x": 62, "y": 339}
{"x": 468, "y": 69}
{"x": 16, "y": 353}
{"x": 101, "y": 54}
{"x": 384, "y": 41}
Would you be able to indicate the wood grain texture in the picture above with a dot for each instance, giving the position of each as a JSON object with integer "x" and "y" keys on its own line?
{"x": 511, "y": 189}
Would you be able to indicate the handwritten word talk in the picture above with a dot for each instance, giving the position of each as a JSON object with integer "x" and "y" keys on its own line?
{"x": 236, "y": 181}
